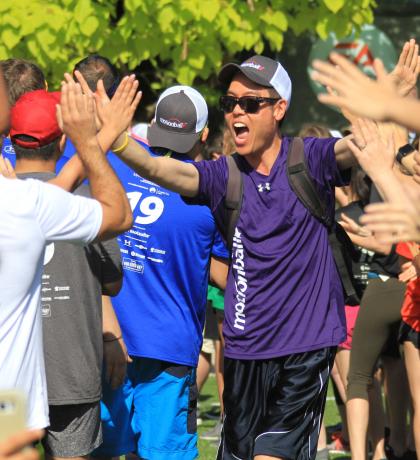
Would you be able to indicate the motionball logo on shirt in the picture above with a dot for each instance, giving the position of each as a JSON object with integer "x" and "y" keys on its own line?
{"x": 241, "y": 283}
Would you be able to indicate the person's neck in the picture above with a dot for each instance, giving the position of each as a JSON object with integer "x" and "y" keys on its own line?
{"x": 31, "y": 166}
{"x": 263, "y": 160}
{"x": 196, "y": 154}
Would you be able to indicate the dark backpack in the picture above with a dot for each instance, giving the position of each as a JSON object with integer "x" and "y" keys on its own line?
{"x": 303, "y": 186}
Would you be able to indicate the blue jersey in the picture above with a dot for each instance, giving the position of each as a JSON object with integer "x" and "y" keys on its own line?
{"x": 8, "y": 152}
{"x": 161, "y": 307}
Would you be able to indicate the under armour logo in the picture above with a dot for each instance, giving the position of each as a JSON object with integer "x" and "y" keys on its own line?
{"x": 262, "y": 187}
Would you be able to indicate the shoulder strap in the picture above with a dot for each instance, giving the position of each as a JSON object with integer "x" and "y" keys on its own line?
{"x": 302, "y": 183}
{"x": 233, "y": 199}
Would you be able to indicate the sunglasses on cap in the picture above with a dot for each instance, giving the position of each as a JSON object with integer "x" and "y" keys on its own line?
{"x": 249, "y": 104}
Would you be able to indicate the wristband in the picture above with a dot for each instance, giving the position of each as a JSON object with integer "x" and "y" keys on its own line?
{"x": 123, "y": 146}
{"x": 112, "y": 340}
{"x": 404, "y": 151}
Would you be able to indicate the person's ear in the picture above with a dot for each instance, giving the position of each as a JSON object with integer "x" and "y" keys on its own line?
{"x": 62, "y": 143}
{"x": 280, "y": 108}
{"x": 204, "y": 135}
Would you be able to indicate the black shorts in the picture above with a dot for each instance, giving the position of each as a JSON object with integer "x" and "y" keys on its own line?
{"x": 274, "y": 407}
{"x": 408, "y": 334}
{"x": 213, "y": 317}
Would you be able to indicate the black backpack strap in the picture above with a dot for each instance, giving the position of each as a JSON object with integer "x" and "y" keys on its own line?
{"x": 233, "y": 198}
{"x": 342, "y": 249}
{"x": 302, "y": 183}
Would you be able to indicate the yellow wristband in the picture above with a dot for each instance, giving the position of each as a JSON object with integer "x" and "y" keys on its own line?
{"x": 123, "y": 146}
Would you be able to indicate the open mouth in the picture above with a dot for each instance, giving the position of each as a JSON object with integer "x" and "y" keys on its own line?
{"x": 241, "y": 130}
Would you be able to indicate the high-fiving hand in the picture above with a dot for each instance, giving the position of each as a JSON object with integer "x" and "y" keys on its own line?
{"x": 76, "y": 113}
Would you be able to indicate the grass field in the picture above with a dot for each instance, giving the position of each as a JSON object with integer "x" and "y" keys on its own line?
{"x": 209, "y": 395}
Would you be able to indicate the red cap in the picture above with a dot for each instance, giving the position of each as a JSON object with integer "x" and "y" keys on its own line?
{"x": 34, "y": 114}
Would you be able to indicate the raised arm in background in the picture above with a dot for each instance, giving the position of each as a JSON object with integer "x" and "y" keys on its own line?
{"x": 77, "y": 117}
{"x": 377, "y": 99}
{"x": 170, "y": 173}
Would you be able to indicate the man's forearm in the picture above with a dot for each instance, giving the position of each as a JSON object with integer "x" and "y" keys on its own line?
{"x": 71, "y": 175}
{"x": 405, "y": 111}
{"x": 172, "y": 174}
{"x": 110, "y": 326}
{"x": 343, "y": 155}
{"x": 390, "y": 188}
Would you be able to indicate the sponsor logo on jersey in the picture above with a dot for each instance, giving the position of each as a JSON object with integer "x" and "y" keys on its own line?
{"x": 132, "y": 265}
{"x": 241, "y": 282}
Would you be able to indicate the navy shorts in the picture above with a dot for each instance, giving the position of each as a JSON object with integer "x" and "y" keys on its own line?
{"x": 274, "y": 407}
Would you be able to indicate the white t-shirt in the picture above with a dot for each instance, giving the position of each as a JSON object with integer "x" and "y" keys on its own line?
{"x": 32, "y": 214}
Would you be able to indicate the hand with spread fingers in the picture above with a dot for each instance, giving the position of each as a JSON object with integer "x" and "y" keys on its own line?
{"x": 6, "y": 168}
{"x": 405, "y": 73}
{"x": 354, "y": 91}
{"x": 76, "y": 114}
{"x": 116, "y": 114}
{"x": 374, "y": 152}
{"x": 408, "y": 272}
{"x": 392, "y": 223}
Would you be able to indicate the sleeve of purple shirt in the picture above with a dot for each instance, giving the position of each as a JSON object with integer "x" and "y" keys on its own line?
{"x": 322, "y": 163}
{"x": 213, "y": 182}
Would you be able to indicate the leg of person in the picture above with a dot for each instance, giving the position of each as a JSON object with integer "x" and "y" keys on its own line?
{"x": 398, "y": 403}
{"x": 376, "y": 427}
{"x": 342, "y": 361}
{"x": 74, "y": 431}
{"x": 244, "y": 400}
{"x": 380, "y": 307}
{"x": 412, "y": 362}
{"x": 204, "y": 365}
{"x": 116, "y": 416}
{"x": 220, "y": 352}
{"x": 165, "y": 405}
{"x": 294, "y": 405}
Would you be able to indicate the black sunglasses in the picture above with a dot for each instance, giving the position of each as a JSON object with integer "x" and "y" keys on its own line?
{"x": 249, "y": 104}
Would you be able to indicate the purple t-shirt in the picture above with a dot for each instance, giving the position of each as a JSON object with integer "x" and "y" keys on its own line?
{"x": 283, "y": 294}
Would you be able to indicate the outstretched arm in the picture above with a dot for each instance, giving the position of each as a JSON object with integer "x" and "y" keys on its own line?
{"x": 172, "y": 174}
{"x": 78, "y": 120}
{"x": 376, "y": 99}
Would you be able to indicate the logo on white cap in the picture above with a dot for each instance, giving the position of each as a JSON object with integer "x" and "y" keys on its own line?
{"x": 173, "y": 123}
{"x": 253, "y": 65}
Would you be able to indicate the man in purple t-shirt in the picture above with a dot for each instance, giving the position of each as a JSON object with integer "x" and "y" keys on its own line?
{"x": 284, "y": 303}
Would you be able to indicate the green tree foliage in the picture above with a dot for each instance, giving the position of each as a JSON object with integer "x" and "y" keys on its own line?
{"x": 189, "y": 39}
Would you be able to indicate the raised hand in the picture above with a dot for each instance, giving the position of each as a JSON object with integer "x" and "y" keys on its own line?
{"x": 76, "y": 113}
{"x": 416, "y": 168}
{"x": 351, "y": 226}
{"x": 374, "y": 152}
{"x": 392, "y": 223}
{"x": 408, "y": 273}
{"x": 405, "y": 73}
{"x": 116, "y": 114}
{"x": 355, "y": 91}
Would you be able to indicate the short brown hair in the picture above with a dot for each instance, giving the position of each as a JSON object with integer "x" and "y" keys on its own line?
{"x": 21, "y": 76}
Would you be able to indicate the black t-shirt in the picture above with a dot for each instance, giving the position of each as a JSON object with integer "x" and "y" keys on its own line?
{"x": 361, "y": 264}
